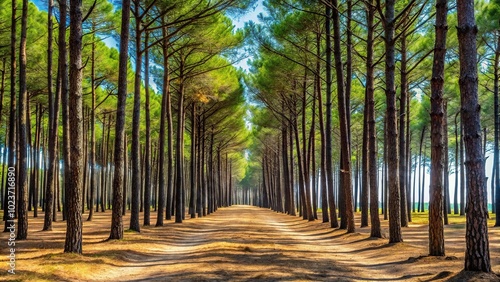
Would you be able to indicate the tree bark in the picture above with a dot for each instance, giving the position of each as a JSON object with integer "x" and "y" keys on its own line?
{"x": 372, "y": 132}
{"x": 22, "y": 208}
{"x": 135, "y": 150}
{"x": 436, "y": 227}
{"x": 402, "y": 124}
{"x": 93, "y": 170}
{"x": 73, "y": 242}
{"x": 496, "y": 156}
{"x": 120, "y": 149}
{"x": 392, "y": 129}
{"x": 328, "y": 129}
{"x": 477, "y": 255}
{"x": 147, "y": 155}
{"x": 193, "y": 173}
{"x": 179, "y": 148}
{"x": 53, "y": 115}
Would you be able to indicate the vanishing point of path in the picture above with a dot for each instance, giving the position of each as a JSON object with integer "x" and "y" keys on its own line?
{"x": 239, "y": 243}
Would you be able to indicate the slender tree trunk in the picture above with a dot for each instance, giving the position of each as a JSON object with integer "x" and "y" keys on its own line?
{"x": 346, "y": 188}
{"x": 436, "y": 227}
{"x": 392, "y": 129}
{"x": 305, "y": 154}
{"x": 93, "y": 170}
{"x": 372, "y": 132}
{"x": 292, "y": 180}
{"x": 420, "y": 177}
{"x": 73, "y": 242}
{"x": 402, "y": 124}
{"x": 135, "y": 196}
{"x": 192, "y": 200}
{"x": 125, "y": 173}
{"x": 328, "y": 138}
{"x": 162, "y": 136}
{"x": 53, "y": 118}
{"x": 147, "y": 155}
{"x": 37, "y": 174}
{"x": 422, "y": 188}
{"x": 22, "y": 208}
{"x": 446, "y": 173}
{"x": 120, "y": 149}
{"x": 323, "y": 179}
{"x": 204, "y": 166}
{"x": 365, "y": 175}
{"x": 302, "y": 188}
{"x": 179, "y": 148}
{"x": 284, "y": 156}
{"x": 496, "y": 157}
{"x": 477, "y": 255}
{"x": 462, "y": 167}
{"x": 199, "y": 168}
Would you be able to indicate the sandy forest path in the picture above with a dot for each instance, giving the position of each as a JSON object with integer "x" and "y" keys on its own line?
{"x": 238, "y": 243}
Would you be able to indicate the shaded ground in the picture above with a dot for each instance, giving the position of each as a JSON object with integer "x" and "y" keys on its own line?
{"x": 238, "y": 243}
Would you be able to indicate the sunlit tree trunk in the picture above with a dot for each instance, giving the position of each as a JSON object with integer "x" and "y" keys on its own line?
{"x": 120, "y": 148}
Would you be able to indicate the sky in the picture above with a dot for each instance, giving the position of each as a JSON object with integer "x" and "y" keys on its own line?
{"x": 239, "y": 22}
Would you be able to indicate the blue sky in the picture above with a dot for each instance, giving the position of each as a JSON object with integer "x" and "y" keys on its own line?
{"x": 239, "y": 22}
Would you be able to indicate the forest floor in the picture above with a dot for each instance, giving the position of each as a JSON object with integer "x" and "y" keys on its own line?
{"x": 239, "y": 243}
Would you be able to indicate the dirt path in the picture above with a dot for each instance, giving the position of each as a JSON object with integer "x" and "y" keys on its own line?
{"x": 239, "y": 243}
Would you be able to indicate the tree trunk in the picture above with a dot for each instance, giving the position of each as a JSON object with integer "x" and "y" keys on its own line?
{"x": 323, "y": 177}
{"x": 73, "y": 242}
{"x": 147, "y": 155}
{"x": 93, "y": 170}
{"x": 120, "y": 149}
{"x": 53, "y": 116}
{"x": 496, "y": 157}
{"x": 22, "y": 208}
{"x": 372, "y": 132}
{"x": 135, "y": 196}
{"x": 125, "y": 173}
{"x": 436, "y": 227}
{"x": 179, "y": 148}
{"x": 392, "y": 129}
{"x": 328, "y": 129}
{"x": 477, "y": 255}
{"x": 192, "y": 200}
{"x": 446, "y": 173}
{"x": 402, "y": 124}
{"x": 462, "y": 167}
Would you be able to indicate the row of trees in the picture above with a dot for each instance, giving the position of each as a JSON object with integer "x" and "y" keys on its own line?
{"x": 393, "y": 80}
{"x": 88, "y": 130}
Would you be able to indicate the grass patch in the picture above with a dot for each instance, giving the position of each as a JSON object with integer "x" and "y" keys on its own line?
{"x": 423, "y": 218}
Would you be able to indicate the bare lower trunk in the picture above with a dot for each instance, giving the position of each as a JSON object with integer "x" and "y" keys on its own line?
{"x": 436, "y": 231}
{"x": 372, "y": 132}
{"x": 74, "y": 193}
{"x": 477, "y": 255}
{"x": 392, "y": 129}
{"x": 120, "y": 148}
{"x": 22, "y": 181}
